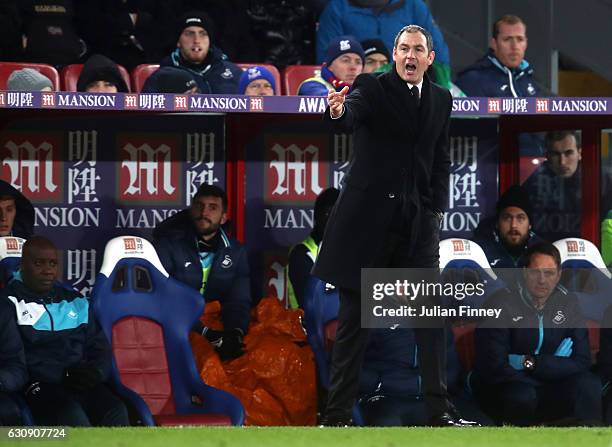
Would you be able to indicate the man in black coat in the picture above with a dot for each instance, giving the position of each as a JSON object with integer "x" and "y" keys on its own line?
{"x": 389, "y": 210}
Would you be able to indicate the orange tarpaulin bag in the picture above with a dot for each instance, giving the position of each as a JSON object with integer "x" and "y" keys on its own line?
{"x": 275, "y": 378}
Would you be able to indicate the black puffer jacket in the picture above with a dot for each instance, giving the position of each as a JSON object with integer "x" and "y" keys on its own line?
{"x": 284, "y": 30}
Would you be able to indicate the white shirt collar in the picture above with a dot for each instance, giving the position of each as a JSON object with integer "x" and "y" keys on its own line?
{"x": 419, "y": 86}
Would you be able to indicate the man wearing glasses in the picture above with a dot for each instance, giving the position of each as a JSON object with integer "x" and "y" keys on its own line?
{"x": 532, "y": 364}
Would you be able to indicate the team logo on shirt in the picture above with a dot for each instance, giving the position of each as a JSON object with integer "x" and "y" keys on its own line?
{"x": 227, "y": 74}
{"x": 227, "y": 262}
{"x": 531, "y": 89}
{"x": 559, "y": 318}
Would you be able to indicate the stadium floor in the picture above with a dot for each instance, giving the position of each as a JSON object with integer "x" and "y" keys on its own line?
{"x": 319, "y": 437}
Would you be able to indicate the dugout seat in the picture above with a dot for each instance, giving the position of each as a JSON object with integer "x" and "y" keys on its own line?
{"x": 147, "y": 316}
{"x": 70, "y": 76}
{"x": 140, "y": 74}
{"x": 10, "y": 257}
{"x": 462, "y": 260}
{"x": 6, "y": 68}
{"x": 585, "y": 274}
{"x": 273, "y": 70}
{"x": 321, "y": 304}
{"x": 294, "y": 75}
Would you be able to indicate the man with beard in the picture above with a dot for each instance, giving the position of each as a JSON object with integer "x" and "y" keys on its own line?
{"x": 195, "y": 250}
{"x": 197, "y": 54}
{"x": 505, "y": 237}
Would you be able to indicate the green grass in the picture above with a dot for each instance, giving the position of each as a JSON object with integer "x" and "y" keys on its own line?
{"x": 320, "y": 437}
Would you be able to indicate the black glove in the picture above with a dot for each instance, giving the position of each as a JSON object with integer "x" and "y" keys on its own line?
{"x": 214, "y": 337}
{"x": 34, "y": 390}
{"x": 81, "y": 378}
{"x": 232, "y": 346}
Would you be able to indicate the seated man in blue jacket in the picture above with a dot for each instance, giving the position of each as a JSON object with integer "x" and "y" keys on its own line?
{"x": 343, "y": 63}
{"x": 503, "y": 71}
{"x": 196, "y": 53}
{"x": 67, "y": 355}
{"x": 532, "y": 364}
{"x": 507, "y": 236}
{"x": 13, "y": 373}
{"x": 195, "y": 250}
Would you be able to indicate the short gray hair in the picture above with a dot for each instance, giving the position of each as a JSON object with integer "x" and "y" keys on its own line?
{"x": 415, "y": 29}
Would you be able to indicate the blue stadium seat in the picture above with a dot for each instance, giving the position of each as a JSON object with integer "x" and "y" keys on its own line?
{"x": 462, "y": 260}
{"x": 147, "y": 317}
{"x": 585, "y": 274}
{"x": 321, "y": 303}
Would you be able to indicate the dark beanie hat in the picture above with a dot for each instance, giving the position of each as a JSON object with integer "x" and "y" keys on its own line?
{"x": 196, "y": 18}
{"x": 516, "y": 196}
{"x": 342, "y": 45}
{"x": 169, "y": 80}
{"x": 372, "y": 46}
{"x": 100, "y": 68}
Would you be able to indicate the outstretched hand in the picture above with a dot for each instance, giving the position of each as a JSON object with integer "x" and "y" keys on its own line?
{"x": 335, "y": 100}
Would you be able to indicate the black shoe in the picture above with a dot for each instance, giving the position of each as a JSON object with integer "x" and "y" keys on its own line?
{"x": 448, "y": 420}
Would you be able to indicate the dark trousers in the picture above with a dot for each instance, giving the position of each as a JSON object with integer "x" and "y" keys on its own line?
{"x": 56, "y": 405}
{"x": 351, "y": 339}
{"x": 9, "y": 411}
{"x": 575, "y": 400}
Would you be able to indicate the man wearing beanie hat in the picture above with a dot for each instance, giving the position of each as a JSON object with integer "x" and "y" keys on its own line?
{"x": 257, "y": 81}
{"x": 101, "y": 75}
{"x": 28, "y": 80}
{"x": 376, "y": 55}
{"x": 196, "y": 53}
{"x": 170, "y": 80}
{"x": 343, "y": 63}
{"x": 505, "y": 237}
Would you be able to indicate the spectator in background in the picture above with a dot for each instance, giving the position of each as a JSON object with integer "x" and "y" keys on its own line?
{"x": 343, "y": 63}
{"x": 28, "y": 80}
{"x": 381, "y": 19}
{"x": 555, "y": 187}
{"x": 532, "y": 364}
{"x": 130, "y": 32}
{"x": 376, "y": 55}
{"x": 503, "y": 71}
{"x": 101, "y": 75}
{"x": 302, "y": 256}
{"x": 171, "y": 80}
{"x": 50, "y": 33}
{"x": 13, "y": 373}
{"x": 284, "y": 35}
{"x": 257, "y": 81}
{"x": 196, "y": 52}
{"x": 67, "y": 354}
{"x": 232, "y": 25}
{"x": 505, "y": 237}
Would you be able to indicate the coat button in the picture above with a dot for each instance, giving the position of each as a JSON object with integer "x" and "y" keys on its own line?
{"x": 392, "y": 196}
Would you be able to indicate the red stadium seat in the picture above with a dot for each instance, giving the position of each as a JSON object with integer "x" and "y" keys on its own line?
{"x": 294, "y": 75}
{"x": 272, "y": 68}
{"x": 71, "y": 73}
{"x": 6, "y": 68}
{"x": 140, "y": 74}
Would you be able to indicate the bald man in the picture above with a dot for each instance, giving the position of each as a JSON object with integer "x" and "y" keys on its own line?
{"x": 67, "y": 355}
